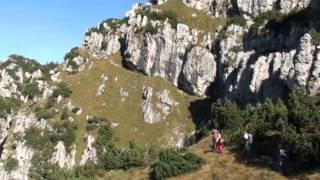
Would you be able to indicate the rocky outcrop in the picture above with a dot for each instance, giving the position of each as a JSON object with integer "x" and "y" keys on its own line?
{"x": 123, "y": 94}
{"x": 8, "y": 87}
{"x": 102, "y": 86}
{"x": 240, "y": 65}
{"x": 150, "y": 115}
{"x": 62, "y": 158}
{"x": 161, "y": 55}
{"x": 101, "y": 45}
{"x": 166, "y": 102}
{"x": 22, "y": 153}
{"x": 90, "y": 152}
{"x": 248, "y": 8}
{"x": 199, "y": 71}
{"x": 156, "y": 109}
{"x": 75, "y": 65}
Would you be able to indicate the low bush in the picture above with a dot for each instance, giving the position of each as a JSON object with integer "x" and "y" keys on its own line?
{"x": 75, "y": 110}
{"x": 112, "y": 23}
{"x": 89, "y": 170}
{"x": 238, "y": 20}
{"x": 111, "y": 156}
{"x": 160, "y": 16}
{"x": 34, "y": 136}
{"x": 6, "y": 105}
{"x": 42, "y": 113}
{"x": 274, "y": 16}
{"x": 10, "y": 164}
{"x": 50, "y": 102}
{"x": 64, "y": 114}
{"x": 65, "y": 132}
{"x": 62, "y": 89}
{"x": 172, "y": 163}
{"x": 94, "y": 122}
{"x": 74, "y": 52}
{"x": 31, "y": 90}
{"x": 315, "y": 36}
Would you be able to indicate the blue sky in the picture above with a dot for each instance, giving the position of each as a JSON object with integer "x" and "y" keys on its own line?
{"x": 46, "y": 29}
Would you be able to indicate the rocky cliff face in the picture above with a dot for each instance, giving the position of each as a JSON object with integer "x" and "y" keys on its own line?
{"x": 241, "y": 64}
{"x": 248, "y": 8}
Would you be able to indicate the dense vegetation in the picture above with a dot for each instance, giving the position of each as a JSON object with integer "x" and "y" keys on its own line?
{"x": 62, "y": 89}
{"x": 10, "y": 164}
{"x": 112, "y": 23}
{"x": 41, "y": 167}
{"x": 29, "y": 65}
{"x": 172, "y": 163}
{"x": 6, "y": 105}
{"x": 31, "y": 90}
{"x": 296, "y": 121}
{"x": 280, "y": 23}
{"x": 167, "y": 162}
{"x": 155, "y": 15}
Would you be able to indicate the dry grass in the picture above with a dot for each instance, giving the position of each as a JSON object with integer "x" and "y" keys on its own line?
{"x": 185, "y": 15}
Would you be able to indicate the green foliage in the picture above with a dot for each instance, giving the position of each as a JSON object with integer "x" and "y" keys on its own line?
{"x": 172, "y": 163}
{"x": 29, "y": 65}
{"x": 160, "y": 16}
{"x": 49, "y": 171}
{"x": 296, "y": 121}
{"x": 31, "y": 90}
{"x": 303, "y": 132}
{"x": 315, "y": 36}
{"x": 65, "y": 132}
{"x": 75, "y": 109}
{"x": 50, "y": 102}
{"x": 6, "y": 105}
{"x": 42, "y": 113}
{"x": 64, "y": 114}
{"x": 74, "y": 52}
{"x": 26, "y": 64}
{"x": 283, "y": 23}
{"x": 238, "y": 20}
{"x": 227, "y": 114}
{"x": 34, "y": 135}
{"x": 112, "y": 23}
{"x": 88, "y": 170}
{"x": 151, "y": 29}
{"x": 273, "y": 15}
{"x": 62, "y": 90}
{"x": 46, "y": 68}
{"x": 133, "y": 156}
{"x": 10, "y": 164}
{"x": 94, "y": 122}
{"x": 111, "y": 156}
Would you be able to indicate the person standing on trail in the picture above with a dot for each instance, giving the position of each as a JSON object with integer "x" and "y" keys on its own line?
{"x": 214, "y": 135}
{"x": 220, "y": 145}
{"x": 248, "y": 139}
{"x": 217, "y": 142}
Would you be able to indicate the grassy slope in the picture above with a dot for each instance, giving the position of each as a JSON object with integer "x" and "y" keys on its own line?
{"x": 201, "y": 22}
{"x": 128, "y": 114}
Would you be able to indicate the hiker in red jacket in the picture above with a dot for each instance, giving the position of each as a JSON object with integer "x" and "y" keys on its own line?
{"x": 217, "y": 142}
{"x": 220, "y": 146}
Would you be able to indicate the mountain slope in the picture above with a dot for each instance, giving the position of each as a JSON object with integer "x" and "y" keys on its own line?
{"x": 149, "y": 76}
